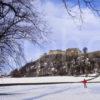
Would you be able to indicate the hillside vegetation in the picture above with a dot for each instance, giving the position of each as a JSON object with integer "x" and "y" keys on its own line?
{"x": 71, "y": 62}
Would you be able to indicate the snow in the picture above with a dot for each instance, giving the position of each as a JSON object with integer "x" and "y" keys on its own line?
{"x": 53, "y": 79}
{"x": 74, "y": 91}
{"x": 65, "y": 91}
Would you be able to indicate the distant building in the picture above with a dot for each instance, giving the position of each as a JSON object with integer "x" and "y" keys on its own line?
{"x": 73, "y": 52}
{"x": 55, "y": 52}
{"x": 69, "y": 52}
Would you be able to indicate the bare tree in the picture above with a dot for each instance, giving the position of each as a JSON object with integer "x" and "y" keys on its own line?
{"x": 19, "y": 20}
{"x": 90, "y": 4}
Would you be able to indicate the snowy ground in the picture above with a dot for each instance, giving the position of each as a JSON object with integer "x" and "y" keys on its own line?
{"x": 53, "y": 79}
{"x": 68, "y": 91}
{"x": 74, "y": 91}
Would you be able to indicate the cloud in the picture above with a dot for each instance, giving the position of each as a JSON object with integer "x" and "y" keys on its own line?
{"x": 67, "y": 32}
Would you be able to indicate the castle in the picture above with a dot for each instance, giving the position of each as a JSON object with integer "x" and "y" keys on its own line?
{"x": 69, "y": 52}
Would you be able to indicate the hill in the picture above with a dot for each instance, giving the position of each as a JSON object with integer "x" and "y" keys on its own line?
{"x": 57, "y": 62}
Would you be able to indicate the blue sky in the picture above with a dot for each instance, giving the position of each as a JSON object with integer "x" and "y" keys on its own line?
{"x": 66, "y": 32}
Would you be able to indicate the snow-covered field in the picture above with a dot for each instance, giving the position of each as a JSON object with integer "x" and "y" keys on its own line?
{"x": 53, "y": 79}
{"x": 68, "y": 91}
{"x": 74, "y": 91}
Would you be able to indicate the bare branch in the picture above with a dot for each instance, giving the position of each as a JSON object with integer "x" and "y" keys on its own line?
{"x": 19, "y": 20}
